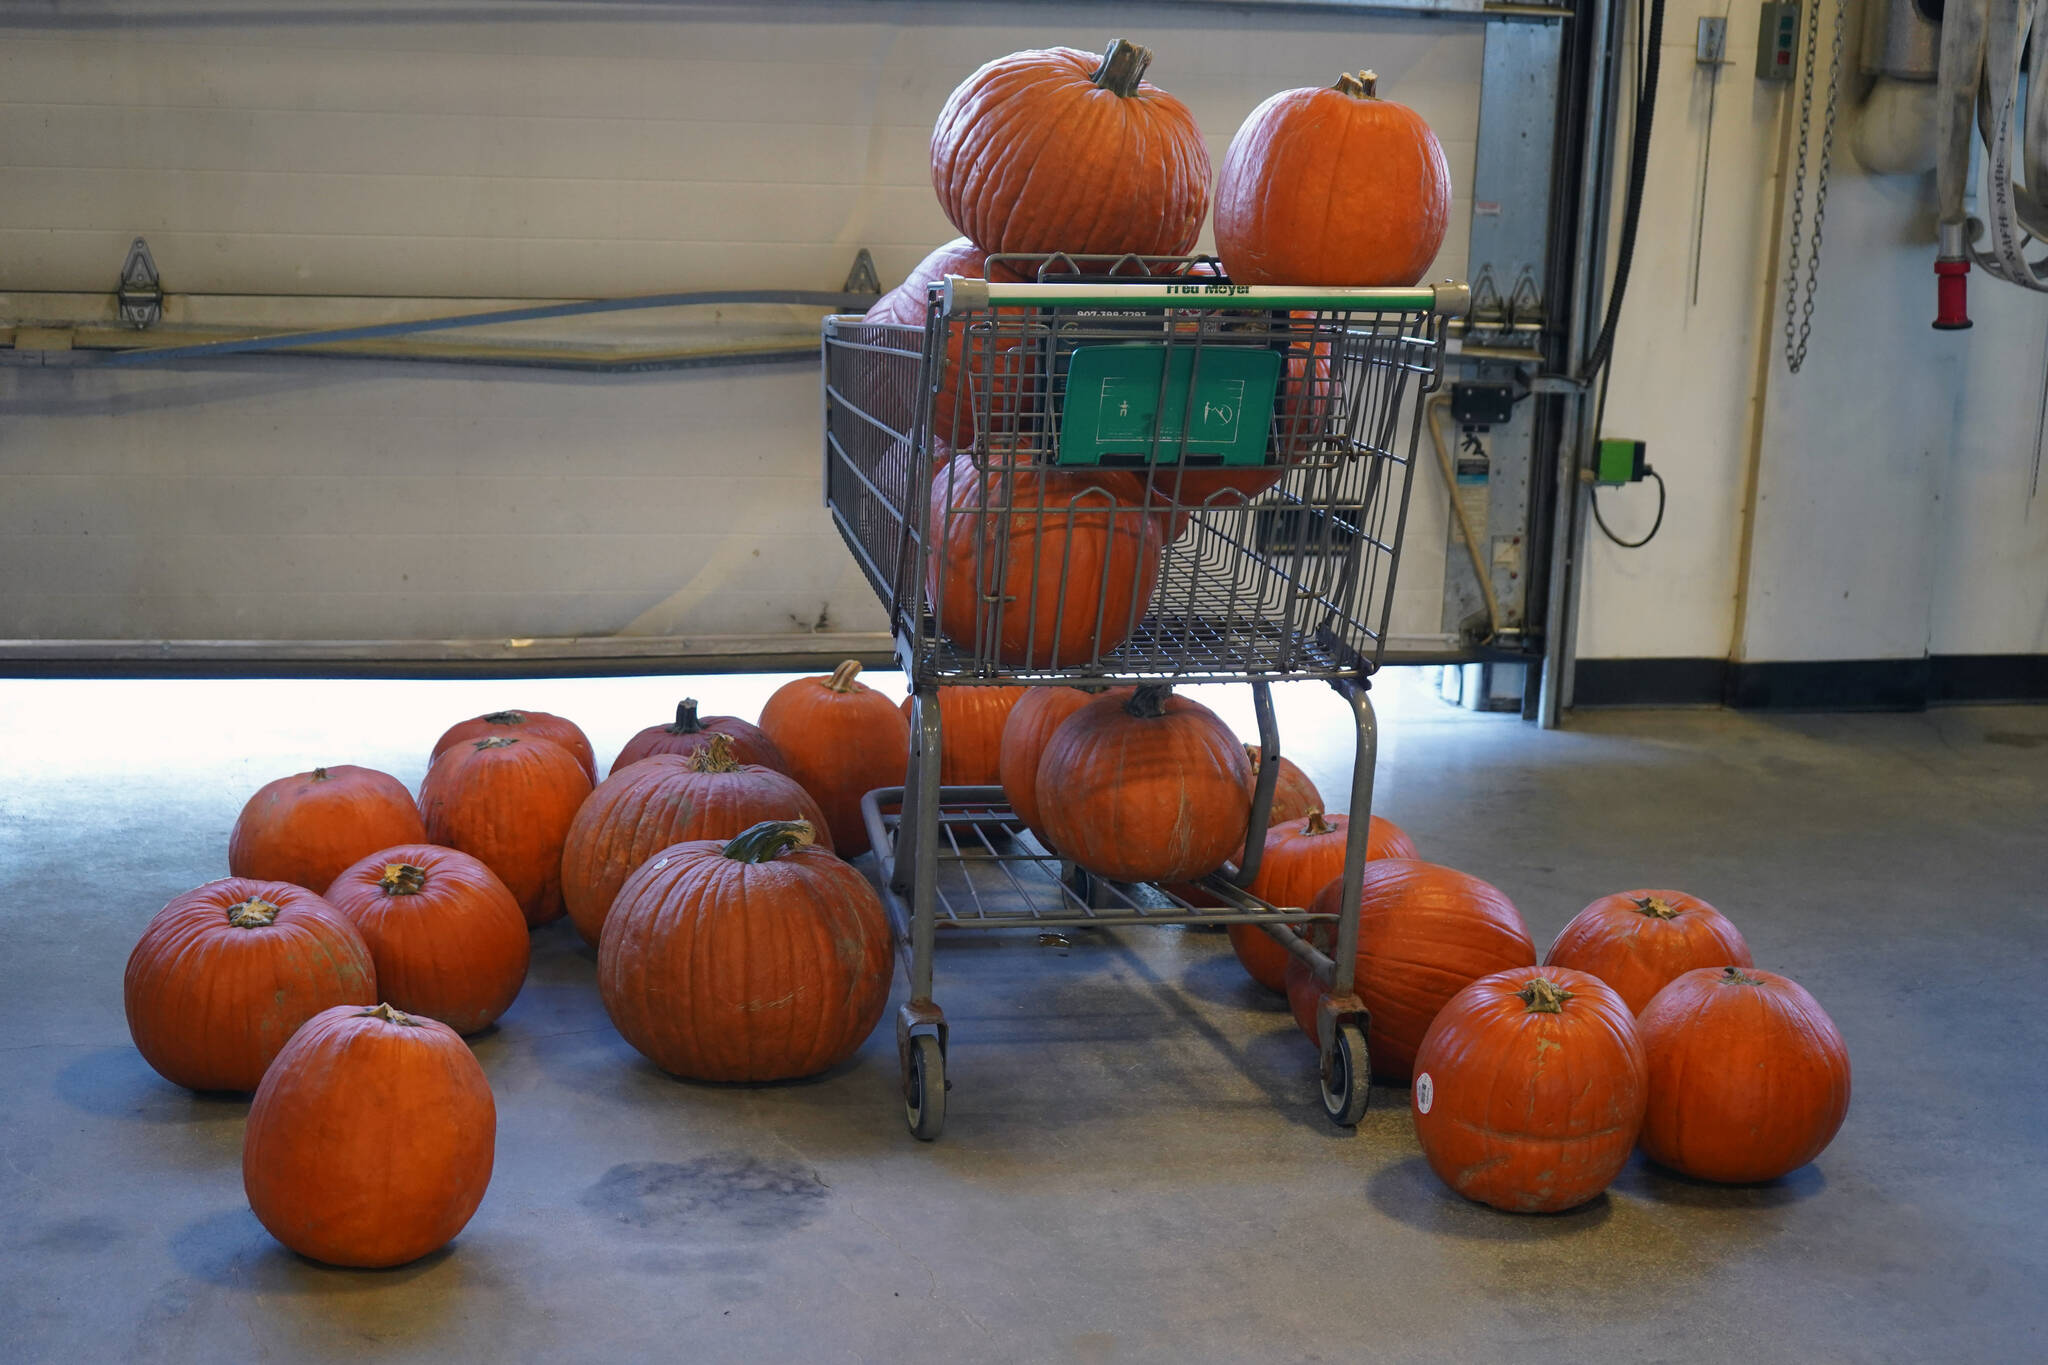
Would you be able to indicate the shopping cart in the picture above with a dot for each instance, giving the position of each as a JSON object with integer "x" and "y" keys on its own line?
{"x": 1123, "y": 472}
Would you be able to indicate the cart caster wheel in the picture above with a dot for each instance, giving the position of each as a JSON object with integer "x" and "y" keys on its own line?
{"x": 924, "y": 1089}
{"x": 1347, "y": 1077}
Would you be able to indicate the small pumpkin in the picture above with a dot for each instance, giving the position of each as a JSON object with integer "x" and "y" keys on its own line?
{"x": 1424, "y": 933}
{"x": 1529, "y": 1089}
{"x": 1298, "y": 862}
{"x": 1332, "y": 187}
{"x": 449, "y": 941}
{"x": 304, "y": 829}
{"x": 971, "y": 723}
{"x": 759, "y": 958}
{"x": 1749, "y": 1078}
{"x": 225, "y": 974}
{"x": 1040, "y": 567}
{"x": 1031, "y": 722}
{"x": 663, "y": 800}
{"x": 1061, "y": 150}
{"x": 1295, "y": 797}
{"x": 508, "y": 803}
{"x": 522, "y": 725}
{"x": 1147, "y": 786}
{"x": 689, "y": 732}
{"x": 371, "y": 1140}
{"x": 842, "y": 739}
{"x": 1639, "y": 942}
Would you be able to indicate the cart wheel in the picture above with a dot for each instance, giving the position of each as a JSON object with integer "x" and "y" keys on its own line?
{"x": 1347, "y": 1077}
{"x": 924, "y": 1089}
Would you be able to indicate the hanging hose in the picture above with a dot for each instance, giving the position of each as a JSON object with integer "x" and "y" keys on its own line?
{"x": 1980, "y": 96}
{"x": 1632, "y": 210}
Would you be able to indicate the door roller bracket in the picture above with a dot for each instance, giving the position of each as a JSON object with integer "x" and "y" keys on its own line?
{"x": 140, "y": 294}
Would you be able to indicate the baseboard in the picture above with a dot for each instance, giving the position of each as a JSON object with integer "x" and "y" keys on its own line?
{"x": 1813, "y": 685}
{"x": 1650, "y": 682}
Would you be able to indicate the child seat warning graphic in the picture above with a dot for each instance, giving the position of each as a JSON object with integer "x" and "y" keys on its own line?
{"x": 1121, "y": 399}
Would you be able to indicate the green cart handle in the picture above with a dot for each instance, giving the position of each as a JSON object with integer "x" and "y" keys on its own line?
{"x": 961, "y": 295}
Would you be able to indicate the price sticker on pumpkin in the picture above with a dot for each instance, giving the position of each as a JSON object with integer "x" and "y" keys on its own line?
{"x": 1425, "y": 1093}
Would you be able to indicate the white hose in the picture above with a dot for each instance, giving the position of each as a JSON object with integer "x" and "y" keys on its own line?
{"x": 1982, "y": 93}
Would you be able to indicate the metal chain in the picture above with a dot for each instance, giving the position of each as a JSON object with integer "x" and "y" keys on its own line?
{"x": 1798, "y": 310}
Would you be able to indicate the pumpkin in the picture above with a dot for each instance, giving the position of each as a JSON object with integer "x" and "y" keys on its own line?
{"x": 522, "y": 725}
{"x": 1529, "y": 1089}
{"x": 304, "y": 829}
{"x": 1295, "y": 797}
{"x": 1061, "y": 150}
{"x": 370, "y": 1141}
{"x": 1424, "y": 933}
{"x": 1639, "y": 942}
{"x": 1037, "y": 567}
{"x": 1031, "y": 722}
{"x": 1149, "y": 786}
{"x": 689, "y": 732}
{"x": 225, "y": 974}
{"x": 665, "y": 800}
{"x": 843, "y": 739}
{"x": 508, "y": 803}
{"x": 1299, "y": 861}
{"x": 1332, "y": 187}
{"x": 1303, "y": 405}
{"x": 994, "y": 365}
{"x": 1749, "y": 1078}
{"x": 448, "y": 939}
{"x": 759, "y": 958}
{"x": 971, "y": 723}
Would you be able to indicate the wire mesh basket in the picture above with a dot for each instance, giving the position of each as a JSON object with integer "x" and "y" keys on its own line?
{"x": 1088, "y": 477}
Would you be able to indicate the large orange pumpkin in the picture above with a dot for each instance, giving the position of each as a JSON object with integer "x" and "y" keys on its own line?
{"x": 666, "y": 800}
{"x": 508, "y": 803}
{"x": 1424, "y": 933}
{"x": 304, "y": 829}
{"x": 1295, "y": 797}
{"x": 225, "y": 974}
{"x": 522, "y": 725}
{"x": 1639, "y": 942}
{"x": 371, "y": 1140}
{"x": 1026, "y": 729}
{"x": 1040, "y": 567}
{"x": 1061, "y": 150}
{"x": 759, "y": 958}
{"x": 1529, "y": 1089}
{"x": 1749, "y": 1078}
{"x": 1143, "y": 787}
{"x": 971, "y": 723}
{"x": 988, "y": 363}
{"x": 1332, "y": 187}
{"x": 842, "y": 739}
{"x": 1300, "y": 860}
{"x": 689, "y": 732}
{"x": 448, "y": 939}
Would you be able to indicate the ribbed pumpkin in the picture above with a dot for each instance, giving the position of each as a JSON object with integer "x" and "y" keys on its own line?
{"x": 448, "y": 939}
{"x": 665, "y": 800}
{"x": 1424, "y": 933}
{"x": 689, "y": 732}
{"x": 225, "y": 974}
{"x": 971, "y": 723}
{"x": 371, "y": 1140}
{"x": 1026, "y": 729}
{"x": 842, "y": 739}
{"x": 1061, "y": 150}
{"x": 759, "y": 958}
{"x": 1529, "y": 1089}
{"x": 508, "y": 803}
{"x": 993, "y": 366}
{"x": 1639, "y": 942}
{"x": 1295, "y": 797}
{"x": 1145, "y": 787}
{"x": 1040, "y": 567}
{"x": 1306, "y": 399}
{"x": 1749, "y": 1078}
{"x": 1300, "y": 860}
{"x": 304, "y": 829}
{"x": 1332, "y": 187}
{"x": 523, "y": 725}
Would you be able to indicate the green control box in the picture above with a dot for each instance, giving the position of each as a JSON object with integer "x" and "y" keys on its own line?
{"x": 1129, "y": 404}
{"x": 1619, "y": 461}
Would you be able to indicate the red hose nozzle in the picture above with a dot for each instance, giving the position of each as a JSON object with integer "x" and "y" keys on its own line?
{"x": 1952, "y": 293}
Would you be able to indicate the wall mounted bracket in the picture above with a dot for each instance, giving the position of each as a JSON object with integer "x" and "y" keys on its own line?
{"x": 139, "y": 293}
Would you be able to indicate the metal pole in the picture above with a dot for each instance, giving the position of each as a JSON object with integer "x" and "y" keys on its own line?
{"x": 1344, "y": 958}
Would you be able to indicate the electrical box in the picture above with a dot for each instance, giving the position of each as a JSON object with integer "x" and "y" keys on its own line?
{"x": 1619, "y": 461}
{"x": 1777, "y": 42}
{"x": 1482, "y": 405}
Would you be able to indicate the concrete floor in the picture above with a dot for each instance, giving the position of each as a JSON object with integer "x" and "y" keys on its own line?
{"x": 1134, "y": 1168}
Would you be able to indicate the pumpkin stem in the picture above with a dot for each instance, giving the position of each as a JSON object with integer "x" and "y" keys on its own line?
{"x": 768, "y": 840}
{"x": 389, "y": 1016}
{"x": 843, "y": 676}
{"x": 686, "y": 718}
{"x": 1149, "y": 701}
{"x": 1656, "y": 907}
{"x": 715, "y": 757}
{"x": 319, "y": 774}
{"x": 253, "y": 913}
{"x": 403, "y": 879}
{"x": 1543, "y": 996}
{"x": 1123, "y": 66}
{"x": 1364, "y": 86}
{"x": 496, "y": 742}
{"x": 1317, "y": 824}
{"x": 506, "y": 718}
{"x": 1735, "y": 976}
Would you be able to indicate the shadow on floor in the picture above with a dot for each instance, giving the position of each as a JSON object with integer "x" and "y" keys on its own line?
{"x": 231, "y": 1249}
{"x": 115, "y": 1082}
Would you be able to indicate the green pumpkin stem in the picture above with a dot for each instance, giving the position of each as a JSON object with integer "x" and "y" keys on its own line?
{"x": 843, "y": 676}
{"x": 1149, "y": 701}
{"x": 1735, "y": 976}
{"x": 505, "y": 718}
{"x": 686, "y": 718}
{"x": 389, "y": 1016}
{"x": 715, "y": 757}
{"x": 1123, "y": 67}
{"x": 403, "y": 879}
{"x": 1543, "y": 996}
{"x": 769, "y": 840}
{"x": 253, "y": 913}
{"x": 1656, "y": 907}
